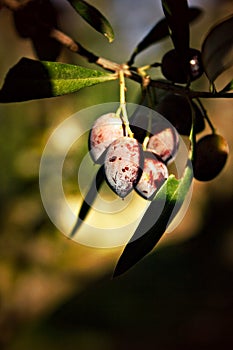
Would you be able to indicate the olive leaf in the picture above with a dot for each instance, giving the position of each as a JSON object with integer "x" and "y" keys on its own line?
{"x": 217, "y": 49}
{"x": 228, "y": 87}
{"x": 159, "y": 32}
{"x": 141, "y": 244}
{"x": 177, "y": 15}
{"x": 93, "y": 16}
{"x": 89, "y": 199}
{"x": 31, "y": 79}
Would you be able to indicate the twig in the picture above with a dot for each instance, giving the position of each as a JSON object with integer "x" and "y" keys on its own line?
{"x": 76, "y": 47}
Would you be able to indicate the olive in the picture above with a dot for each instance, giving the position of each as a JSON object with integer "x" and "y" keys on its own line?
{"x": 164, "y": 143}
{"x": 153, "y": 176}
{"x": 123, "y": 165}
{"x": 211, "y": 154}
{"x": 177, "y": 110}
{"x": 173, "y": 70}
{"x": 105, "y": 130}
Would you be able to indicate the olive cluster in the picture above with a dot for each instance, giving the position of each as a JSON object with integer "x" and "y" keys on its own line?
{"x": 210, "y": 151}
{"x": 128, "y": 165}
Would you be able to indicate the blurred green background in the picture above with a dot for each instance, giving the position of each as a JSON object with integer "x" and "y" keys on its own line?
{"x": 55, "y": 293}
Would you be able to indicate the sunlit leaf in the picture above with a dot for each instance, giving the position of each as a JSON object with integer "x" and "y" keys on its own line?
{"x": 31, "y": 79}
{"x": 159, "y": 32}
{"x": 177, "y": 15}
{"x": 141, "y": 244}
{"x": 217, "y": 49}
{"x": 94, "y": 18}
{"x": 228, "y": 87}
{"x": 89, "y": 199}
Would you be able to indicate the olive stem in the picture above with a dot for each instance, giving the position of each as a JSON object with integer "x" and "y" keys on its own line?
{"x": 132, "y": 73}
{"x": 204, "y": 112}
{"x": 122, "y": 108}
{"x": 192, "y": 135}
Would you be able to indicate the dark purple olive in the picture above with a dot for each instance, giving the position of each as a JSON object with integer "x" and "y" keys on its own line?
{"x": 177, "y": 110}
{"x": 173, "y": 69}
{"x": 211, "y": 154}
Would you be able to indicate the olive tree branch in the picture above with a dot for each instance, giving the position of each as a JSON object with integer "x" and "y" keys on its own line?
{"x": 131, "y": 72}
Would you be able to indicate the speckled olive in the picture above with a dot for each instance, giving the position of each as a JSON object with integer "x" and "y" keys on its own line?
{"x": 164, "y": 143}
{"x": 123, "y": 165}
{"x": 154, "y": 175}
{"x": 105, "y": 130}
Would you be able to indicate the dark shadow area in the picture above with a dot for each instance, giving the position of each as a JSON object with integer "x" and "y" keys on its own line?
{"x": 27, "y": 80}
{"x": 180, "y": 297}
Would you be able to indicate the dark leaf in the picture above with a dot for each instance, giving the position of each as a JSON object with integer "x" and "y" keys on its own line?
{"x": 89, "y": 199}
{"x": 46, "y": 48}
{"x": 35, "y": 20}
{"x": 31, "y": 79}
{"x": 94, "y": 18}
{"x": 141, "y": 244}
{"x": 177, "y": 15}
{"x": 228, "y": 87}
{"x": 217, "y": 49}
{"x": 159, "y": 32}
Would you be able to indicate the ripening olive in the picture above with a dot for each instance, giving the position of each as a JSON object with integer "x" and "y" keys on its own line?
{"x": 177, "y": 110}
{"x": 210, "y": 157}
{"x": 154, "y": 175}
{"x": 105, "y": 130}
{"x": 164, "y": 143}
{"x": 123, "y": 165}
{"x": 173, "y": 69}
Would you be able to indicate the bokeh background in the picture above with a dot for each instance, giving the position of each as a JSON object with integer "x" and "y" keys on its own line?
{"x": 55, "y": 293}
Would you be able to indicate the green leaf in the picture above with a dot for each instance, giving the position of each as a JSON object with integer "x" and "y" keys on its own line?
{"x": 159, "y": 32}
{"x": 89, "y": 199}
{"x": 141, "y": 244}
{"x": 177, "y": 15}
{"x": 217, "y": 49}
{"x": 91, "y": 15}
{"x": 228, "y": 87}
{"x": 31, "y": 79}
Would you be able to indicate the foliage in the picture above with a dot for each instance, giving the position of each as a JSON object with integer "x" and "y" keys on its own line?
{"x": 33, "y": 79}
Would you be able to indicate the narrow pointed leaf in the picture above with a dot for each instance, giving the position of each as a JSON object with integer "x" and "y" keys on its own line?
{"x": 89, "y": 199}
{"x": 140, "y": 245}
{"x": 228, "y": 87}
{"x": 217, "y": 49}
{"x": 93, "y": 16}
{"x": 177, "y": 15}
{"x": 31, "y": 79}
{"x": 159, "y": 32}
